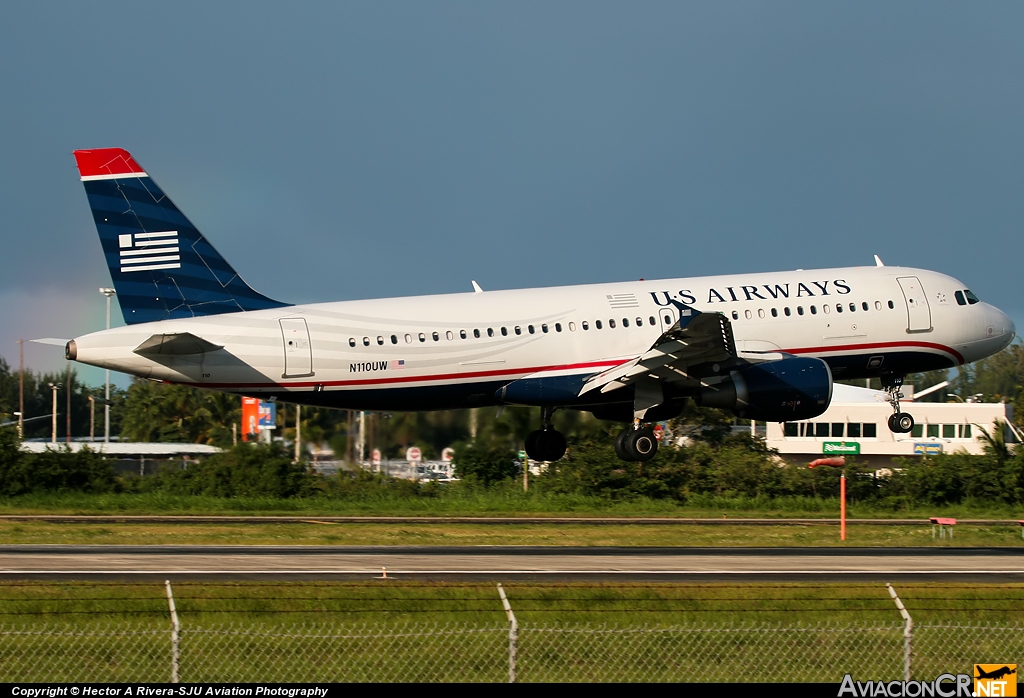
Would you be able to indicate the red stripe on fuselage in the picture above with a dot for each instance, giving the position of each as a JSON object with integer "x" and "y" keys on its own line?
{"x": 877, "y": 345}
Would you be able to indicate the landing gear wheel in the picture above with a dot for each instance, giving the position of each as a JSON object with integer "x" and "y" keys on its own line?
{"x": 894, "y": 426}
{"x": 905, "y": 422}
{"x": 641, "y": 444}
{"x": 545, "y": 445}
{"x": 531, "y": 444}
{"x": 620, "y": 445}
{"x": 899, "y": 422}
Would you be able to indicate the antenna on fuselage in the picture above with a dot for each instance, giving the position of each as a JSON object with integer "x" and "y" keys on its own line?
{"x": 878, "y": 261}
{"x": 476, "y": 287}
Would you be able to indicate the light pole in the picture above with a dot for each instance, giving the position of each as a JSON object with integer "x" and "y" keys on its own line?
{"x": 108, "y": 292}
{"x": 53, "y": 435}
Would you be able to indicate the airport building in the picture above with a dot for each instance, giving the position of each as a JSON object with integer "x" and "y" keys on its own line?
{"x": 855, "y": 425}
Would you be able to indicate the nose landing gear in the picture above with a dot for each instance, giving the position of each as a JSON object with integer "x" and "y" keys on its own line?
{"x": 636, "y": 443}
{"x": 899, "y": 422}
{"x": 545, "y": 444}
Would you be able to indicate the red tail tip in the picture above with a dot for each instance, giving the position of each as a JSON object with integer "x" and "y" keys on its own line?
{"x": 106, "y": 161}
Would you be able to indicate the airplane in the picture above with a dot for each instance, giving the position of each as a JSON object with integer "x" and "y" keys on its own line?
{"x": 765, "y": 346}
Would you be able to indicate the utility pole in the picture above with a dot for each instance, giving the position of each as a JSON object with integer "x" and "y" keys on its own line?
{"x": 92, "y": 418}
{"x": 21, "y": 388}
{"x": 67, "y": 409}
{"x": 108, "y": 292}
{"x": 53, "y": 416}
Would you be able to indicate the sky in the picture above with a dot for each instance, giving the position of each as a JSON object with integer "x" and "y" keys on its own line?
{"x": 343, "y": 150}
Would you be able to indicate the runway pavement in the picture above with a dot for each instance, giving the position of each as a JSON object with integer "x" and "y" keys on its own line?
{"x": 506, "y": 562}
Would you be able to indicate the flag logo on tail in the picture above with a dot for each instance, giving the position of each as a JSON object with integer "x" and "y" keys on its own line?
{"x": 149, "y": 251}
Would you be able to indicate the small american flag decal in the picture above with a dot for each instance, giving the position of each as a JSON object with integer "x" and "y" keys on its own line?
{"x": 149, "y": 251}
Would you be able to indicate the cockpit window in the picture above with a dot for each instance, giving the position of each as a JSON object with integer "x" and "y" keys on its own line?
{"x": 971, "y": 298}
{"x": 959, "y": 295}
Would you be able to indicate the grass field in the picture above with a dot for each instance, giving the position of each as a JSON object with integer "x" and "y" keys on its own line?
{"x": 428, "y": 533}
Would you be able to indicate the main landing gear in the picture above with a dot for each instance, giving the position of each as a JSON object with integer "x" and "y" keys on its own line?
{"x": 636, "y": 443}
{"x": 545, "y": 444}
{"x": 899, "y": 422}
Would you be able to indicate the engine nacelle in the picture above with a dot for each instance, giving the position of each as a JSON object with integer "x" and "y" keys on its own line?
{"x": 774, "y": 391}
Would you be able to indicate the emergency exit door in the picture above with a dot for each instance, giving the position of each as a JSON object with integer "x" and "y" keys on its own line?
{"x": 298, "y": 352}
{"x": 919, "y": 315}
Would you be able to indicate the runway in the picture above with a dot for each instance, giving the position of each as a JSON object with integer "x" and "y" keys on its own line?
{"x": 506, "y": 562}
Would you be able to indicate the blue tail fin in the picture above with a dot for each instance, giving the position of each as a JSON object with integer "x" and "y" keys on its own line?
{"x": 162, "y": 267}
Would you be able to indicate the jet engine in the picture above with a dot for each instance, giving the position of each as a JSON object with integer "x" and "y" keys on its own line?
{"x": 786, "y": 390}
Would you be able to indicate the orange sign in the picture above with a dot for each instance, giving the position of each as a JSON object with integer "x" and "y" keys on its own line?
{"x": 250, "y": 419}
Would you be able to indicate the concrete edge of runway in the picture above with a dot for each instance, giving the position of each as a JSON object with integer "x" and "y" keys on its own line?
{"x": 490, "y": 520}
{"x": 484, "y": 550}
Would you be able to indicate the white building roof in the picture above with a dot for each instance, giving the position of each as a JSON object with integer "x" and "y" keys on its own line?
{"x": 124, "y": 448}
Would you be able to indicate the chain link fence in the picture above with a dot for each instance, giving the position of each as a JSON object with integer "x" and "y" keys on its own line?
{"x": 128, "y": 651}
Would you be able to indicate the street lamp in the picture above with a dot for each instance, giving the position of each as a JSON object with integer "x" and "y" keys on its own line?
{"x": 108, "y": 292}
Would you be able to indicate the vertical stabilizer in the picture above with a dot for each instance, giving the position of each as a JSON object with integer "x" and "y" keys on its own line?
{"x": 161, "y": 265}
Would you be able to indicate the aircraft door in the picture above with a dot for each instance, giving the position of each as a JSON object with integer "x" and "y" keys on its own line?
{"x": 919, "y": 314}
{"x": 298, "y": 351}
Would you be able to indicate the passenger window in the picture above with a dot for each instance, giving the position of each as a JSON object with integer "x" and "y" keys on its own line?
{"x": 625, "y": 322}
{"x": 544, "y": 328}
{"x": 853, "y": 307}
{"x": 449, "y": 335}
{"x": 394, "y": 339}
{"x": 878, "y": 305}
{"x": 775, "y": 312}
{"x": 558, "y": 327}
{"x": 351, "y": 341}
{"x": 380, "y": 340}
{"x": 668, "y": 320}
{"x": 814, "y": 310}
{"x": 504, "y": 332}
{"x": 611, "y": 323}
{"x": 490, "y": 331}
{"x": 891, "y": 305}
{"x": 462, "y": 333}
{"x": 530, "y": 329}
{"x": 864, "y": 305}
{"x": 436, "y": 336}
{"x": 735, "y": 315}
{"x": 959, "y": 295}
{"x": 652, "y": 321}
{"x": 760, "y": 312}
{"x": 786, "y": 311}
{"x": 585, "y": 325}
{"x": 826, "y": 309}
{"x": 839, "y": 307}
{"x": 639, "y": 322}
{"x": 572, "y": 326}
{"x": 408, "y": 338}
{"x": 476, "y": 334}
{"x": 747, "y": 314}
{"x": 423, "y": 337}
{"x": 799, "y": 310}
{"x": 971, "y": 298}
{"x": 519, "y": 330}
{"x": 597, "y": 324}
{"x": 366, "y": 341}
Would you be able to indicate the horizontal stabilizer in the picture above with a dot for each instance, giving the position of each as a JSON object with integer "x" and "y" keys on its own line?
{"x": 177, "y": 344}
{"x": 56, "y": 341}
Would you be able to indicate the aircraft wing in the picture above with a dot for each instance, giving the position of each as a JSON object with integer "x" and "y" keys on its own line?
{"x": 696, "y": 340}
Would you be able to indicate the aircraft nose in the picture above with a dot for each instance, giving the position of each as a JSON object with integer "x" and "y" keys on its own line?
{"x": 1000, "y": 325}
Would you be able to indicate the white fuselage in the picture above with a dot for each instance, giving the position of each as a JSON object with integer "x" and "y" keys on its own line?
{"x": 445, "y": 351}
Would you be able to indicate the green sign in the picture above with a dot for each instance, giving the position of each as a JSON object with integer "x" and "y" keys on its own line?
{"x": 522, "y": 455}
{"x": 841, "y": 448}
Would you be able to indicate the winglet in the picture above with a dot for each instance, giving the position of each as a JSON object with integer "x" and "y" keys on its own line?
{"x": 878, "y": 261}
{"x": 476, "y": 288}
{"x": 107, "y": 163}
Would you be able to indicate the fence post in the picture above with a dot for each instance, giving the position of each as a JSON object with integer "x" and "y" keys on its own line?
{"x": 513, "y": 637}
{"x": 908, "y": 632}
{"x": 175, "y": 635}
